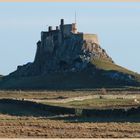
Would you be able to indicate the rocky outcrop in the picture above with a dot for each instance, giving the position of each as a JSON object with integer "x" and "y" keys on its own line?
{"x": 68, "y": 55}
{"x": 73, "y": 54}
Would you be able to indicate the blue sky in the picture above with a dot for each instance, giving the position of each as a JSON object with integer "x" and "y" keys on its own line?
{"x": 117, "y": 25}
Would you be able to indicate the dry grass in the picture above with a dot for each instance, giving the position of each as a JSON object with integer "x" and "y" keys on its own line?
{"x": 106, "y": 65}
{"x": 42, "y": 127}
{"x": 44, "y": 94}
{"x": 22, "y": 127}
{"x": 55, "y": 94}
{"x": 86, "y": 99}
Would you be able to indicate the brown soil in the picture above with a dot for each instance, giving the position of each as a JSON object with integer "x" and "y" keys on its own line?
{"x": 22, "y": 127}
{"x": 59, "y": 126}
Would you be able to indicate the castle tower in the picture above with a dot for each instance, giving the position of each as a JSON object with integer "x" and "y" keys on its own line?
{"x": 50, "y": 28}
{"x": 62, "y": 28}
{"x": 62, "y": 21}
{"x": 74, "y": 28}
{"x": 57, "y": 28}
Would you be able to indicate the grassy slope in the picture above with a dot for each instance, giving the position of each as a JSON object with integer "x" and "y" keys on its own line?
{"x": 54, "y": 81}
{"x": 106, "y": 65}
{"x": 71, "y": 80}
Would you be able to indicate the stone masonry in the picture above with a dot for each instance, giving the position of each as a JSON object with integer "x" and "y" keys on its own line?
{"x": 63, "y": 49}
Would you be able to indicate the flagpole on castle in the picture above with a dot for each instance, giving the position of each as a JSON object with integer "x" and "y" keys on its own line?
{"x": 75, "y": 17}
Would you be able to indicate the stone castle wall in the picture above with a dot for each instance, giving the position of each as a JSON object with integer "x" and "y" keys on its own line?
{"x": 67, "y": 30}
{"x": 91, "y": 37}
{"x": 64, "y": 50}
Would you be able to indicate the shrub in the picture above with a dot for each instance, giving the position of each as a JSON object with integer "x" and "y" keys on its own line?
{"x": 78, "y": 111}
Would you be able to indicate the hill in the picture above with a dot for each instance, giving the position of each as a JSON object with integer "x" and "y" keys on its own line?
{"x": 68, "y": 59}
{"x": 1, "y": 77}
{"x": 101, "y": 76}
{"x": 106, "y": 65}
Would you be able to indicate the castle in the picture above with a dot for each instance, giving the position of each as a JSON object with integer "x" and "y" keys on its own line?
{"x": 66, "y": 58}
{"x": 64, "y": 31}
{"x": 63, "y": 49}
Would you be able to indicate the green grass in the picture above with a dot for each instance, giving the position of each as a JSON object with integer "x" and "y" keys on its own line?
{"x": 97, "y": 103}
{"x": 107, "y": 65}
{"x": 102, "y": 102}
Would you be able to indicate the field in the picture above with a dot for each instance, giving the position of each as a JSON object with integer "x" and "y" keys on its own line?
{"x": 97, "y": 103}
{"x": 19, "y": 120}
{"x": 24, "y": 127}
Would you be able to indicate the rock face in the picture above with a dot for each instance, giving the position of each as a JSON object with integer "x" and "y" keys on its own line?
{"x": 63, "y": 50}
{"x": 68, "y": 59}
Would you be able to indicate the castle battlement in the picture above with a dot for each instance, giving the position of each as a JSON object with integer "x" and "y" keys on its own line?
{"x": 64, "y": 31}
{"x": 64, "y": 49}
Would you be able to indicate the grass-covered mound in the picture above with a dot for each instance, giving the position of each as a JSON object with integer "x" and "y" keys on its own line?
{"x": 107, "y": 65}
{"x": 92, "y": 77}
